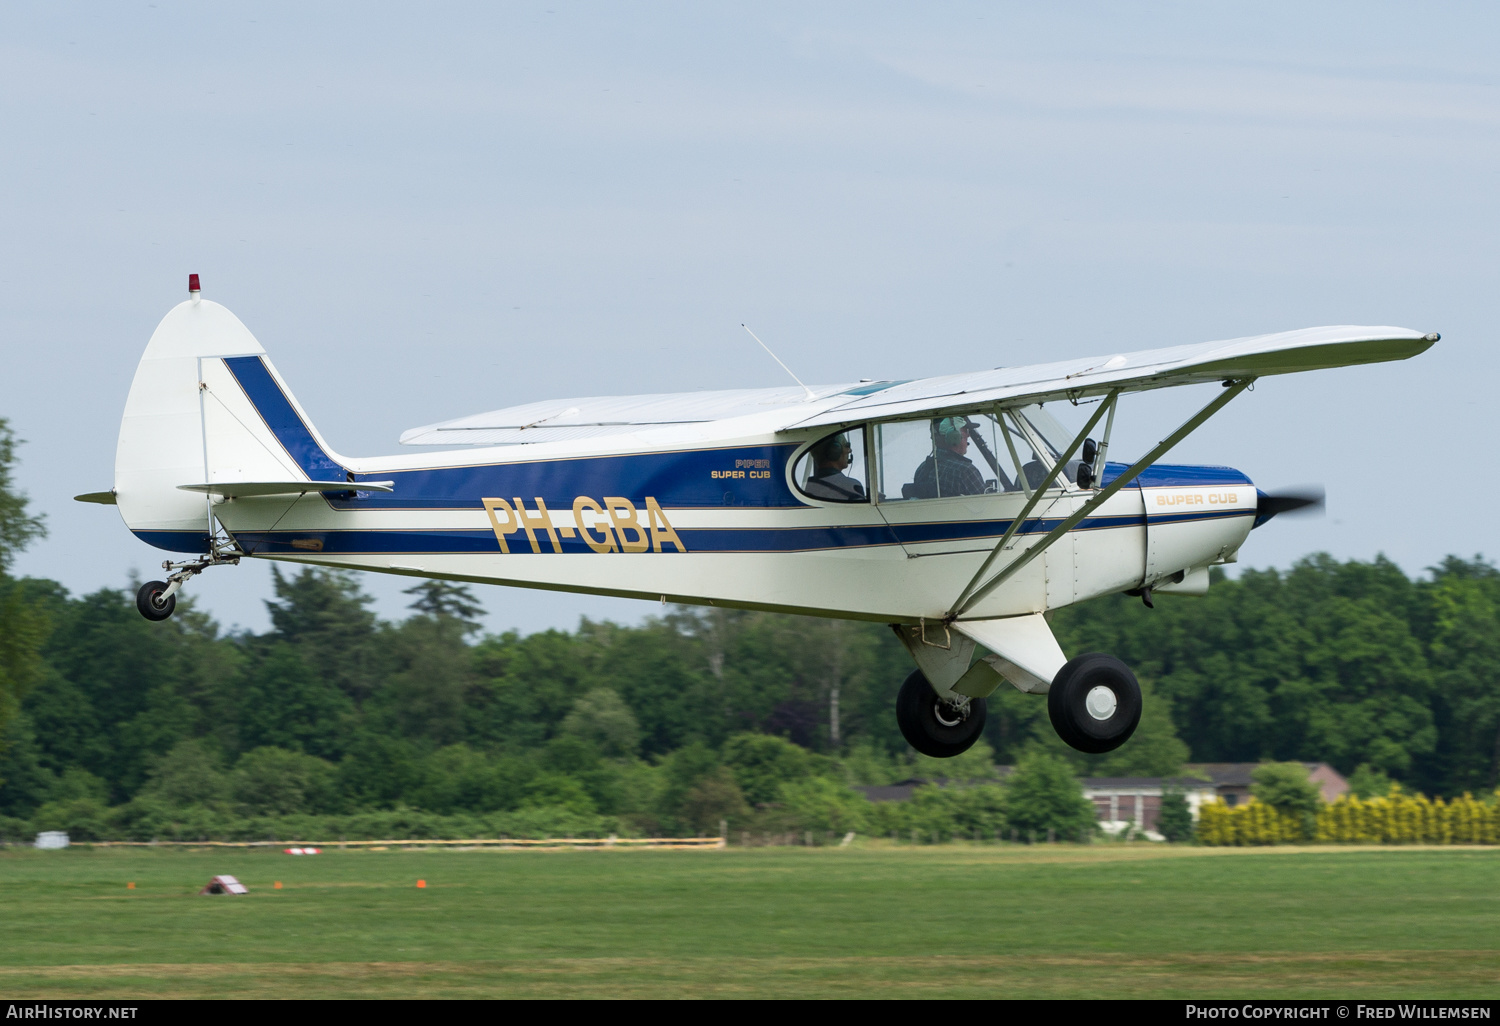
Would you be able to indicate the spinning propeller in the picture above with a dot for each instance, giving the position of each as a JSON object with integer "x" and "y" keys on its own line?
{"x": 1301, "y": 500}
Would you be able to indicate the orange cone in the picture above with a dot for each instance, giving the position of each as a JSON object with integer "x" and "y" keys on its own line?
{"x": 421, "y": 883}
{"x": 130, "y": 886}
{"x": 277, "y": 885}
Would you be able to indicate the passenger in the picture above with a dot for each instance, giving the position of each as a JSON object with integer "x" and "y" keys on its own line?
{"x": 831, "y": 457}
{"x": 947, "y": 471}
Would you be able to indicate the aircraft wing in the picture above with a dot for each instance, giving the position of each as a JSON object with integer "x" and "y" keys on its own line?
{"x": 558, "y": 420}
{"x": 596, "y": 416}
{"x": 1286, "y": 352}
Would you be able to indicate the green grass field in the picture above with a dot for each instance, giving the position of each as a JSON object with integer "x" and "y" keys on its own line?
{"x": 1105, "y": 921}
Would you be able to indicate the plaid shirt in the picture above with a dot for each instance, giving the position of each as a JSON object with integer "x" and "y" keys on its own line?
{"x": 946, "y": 473}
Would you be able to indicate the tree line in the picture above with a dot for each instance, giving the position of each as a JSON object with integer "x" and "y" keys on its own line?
{"x": 695, "y": 716}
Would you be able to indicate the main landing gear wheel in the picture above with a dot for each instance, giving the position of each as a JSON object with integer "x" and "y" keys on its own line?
{"x": 933, "y": 726}
{"x": 150, "y": 602}
{"x": 1094, "y": 703}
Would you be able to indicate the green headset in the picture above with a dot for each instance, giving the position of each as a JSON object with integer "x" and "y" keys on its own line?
{"x": 833, "y": 447}
{"x": 950, "y": 430}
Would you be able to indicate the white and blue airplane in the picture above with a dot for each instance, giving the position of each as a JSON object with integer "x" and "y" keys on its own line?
{"x": 957, "y": 509}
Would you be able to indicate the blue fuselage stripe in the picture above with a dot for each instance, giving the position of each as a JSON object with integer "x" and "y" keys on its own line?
{"x": 805, "y": 539}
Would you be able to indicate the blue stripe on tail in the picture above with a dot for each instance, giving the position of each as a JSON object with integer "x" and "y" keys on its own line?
{"x": 281, "y": 417}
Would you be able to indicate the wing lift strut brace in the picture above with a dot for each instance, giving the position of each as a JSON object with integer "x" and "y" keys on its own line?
{"x": 975, "y": 592}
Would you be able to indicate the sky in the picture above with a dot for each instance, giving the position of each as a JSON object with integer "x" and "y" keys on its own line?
{"x": 427, "y": 211}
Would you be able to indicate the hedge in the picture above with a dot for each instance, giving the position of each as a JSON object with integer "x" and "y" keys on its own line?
{"x": 1397, "y": 818}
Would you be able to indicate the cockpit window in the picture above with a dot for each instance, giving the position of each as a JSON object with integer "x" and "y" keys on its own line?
{"x": 833, "y": 469}
{"x": 1051, "y": 433}
{"x": 941, "y": 457}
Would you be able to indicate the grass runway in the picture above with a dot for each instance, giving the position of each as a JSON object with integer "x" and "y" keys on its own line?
{"x": 1104, "y": 921}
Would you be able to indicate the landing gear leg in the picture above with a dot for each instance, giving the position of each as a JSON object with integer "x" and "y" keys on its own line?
{"x": 156, "y": 600}
{"x": 935, "y": 726}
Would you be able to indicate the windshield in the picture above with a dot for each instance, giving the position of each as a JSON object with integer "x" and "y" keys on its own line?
{"x": 1051, "y": 434}
{"x": 1011, "y": 450}
{"x": 942, "y": 457}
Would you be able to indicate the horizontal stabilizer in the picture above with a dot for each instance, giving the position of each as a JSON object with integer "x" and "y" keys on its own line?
{"x": 246, "y": 489}
{"x": 102, "y": 498}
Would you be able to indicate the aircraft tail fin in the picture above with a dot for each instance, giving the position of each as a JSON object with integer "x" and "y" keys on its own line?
{"x": 206, "y": 406}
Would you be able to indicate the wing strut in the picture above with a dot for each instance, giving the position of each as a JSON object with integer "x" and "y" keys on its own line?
{"x": 963, "y": 604}
{"x": 1036, "y": 497}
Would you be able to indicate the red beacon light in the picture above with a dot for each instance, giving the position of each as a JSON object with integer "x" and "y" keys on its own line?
{"x": 193, "y": 287}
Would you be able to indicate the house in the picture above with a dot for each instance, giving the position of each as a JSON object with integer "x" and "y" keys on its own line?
{"x": 1231, "y": 780}
{"x": 1135, "y": 802}
{"x": 902, "y": 790}
{"x": 1122, "y": 802}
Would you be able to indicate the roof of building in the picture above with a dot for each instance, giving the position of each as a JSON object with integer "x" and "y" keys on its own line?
{"x": 890, "y": 792}
{"x": 1237, "y": 774}
{"x": 1185, "y": 783}
{"x": 902, "y": 789}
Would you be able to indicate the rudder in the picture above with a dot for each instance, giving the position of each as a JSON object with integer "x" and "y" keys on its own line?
{"x": 189, "y": 420}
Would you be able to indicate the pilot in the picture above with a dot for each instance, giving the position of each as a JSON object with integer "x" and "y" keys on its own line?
{"x": 831, "y": 457}
{"x": 947, "y": 471}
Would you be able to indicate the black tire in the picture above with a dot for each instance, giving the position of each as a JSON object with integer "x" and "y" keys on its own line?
{"x": 150, "y": 603}
{"x": 932, "y": 726}
{"x": 1068, "y": 703}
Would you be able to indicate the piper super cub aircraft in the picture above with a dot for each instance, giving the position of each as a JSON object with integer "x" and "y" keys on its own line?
{"x": 956, "y": 509}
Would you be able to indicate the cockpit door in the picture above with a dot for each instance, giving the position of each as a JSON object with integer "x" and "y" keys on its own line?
{"x": 949, "y": 488}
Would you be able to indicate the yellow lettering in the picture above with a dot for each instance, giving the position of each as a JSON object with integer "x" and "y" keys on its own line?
{"x": 583, "y": 502}
{"x": 623, "y": 512}
{"x": 1199, "y": 499}
{"x": 663, "y": 534}
{"x": 502, "y": 528}
{"x": 531, "y": 522}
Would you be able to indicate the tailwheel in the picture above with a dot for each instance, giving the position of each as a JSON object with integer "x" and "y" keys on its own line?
{"x": 154, "y": 601}
{"x": 1094, "y": 703}
{"x": 157, "y": 599}
{"x": 936, "y": 726}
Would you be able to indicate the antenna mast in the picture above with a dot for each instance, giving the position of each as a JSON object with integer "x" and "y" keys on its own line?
{"x": 810, "y": 395}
